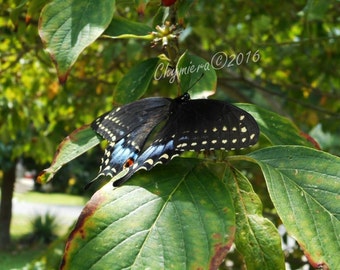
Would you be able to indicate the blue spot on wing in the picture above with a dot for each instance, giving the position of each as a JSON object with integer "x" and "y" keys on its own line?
{"x": 156, "y": 153}
{"x": 115, "y": 157}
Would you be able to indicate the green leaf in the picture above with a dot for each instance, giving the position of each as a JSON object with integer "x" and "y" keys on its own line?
{"x": 277, "y": 129}
{"x": 160, "y": 220}
{"x": 34, "y": 8}
{"x": 120, "y": 27}
{"x": 315, "y": 9}
{"x": 183, "y": 9}
{"x": 304, "y": 185}
{"x": 67, "y": 27}
{"x": 77, "y": 143}
{"x": 15, "y": 13}
{"x": 196, "y": 72}
{"x": 136, "y": 82}
{"x": 256, "y": 239}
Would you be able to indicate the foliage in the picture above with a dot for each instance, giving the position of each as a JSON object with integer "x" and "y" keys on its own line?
{"x": 44, "y": 228}
{"x": 295, "y": 75}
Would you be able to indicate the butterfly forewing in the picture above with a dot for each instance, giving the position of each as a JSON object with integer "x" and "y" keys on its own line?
{"x": 142, "y": 114}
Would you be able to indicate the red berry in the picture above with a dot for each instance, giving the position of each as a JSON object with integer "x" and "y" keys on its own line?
{"x": 168, "y": 3}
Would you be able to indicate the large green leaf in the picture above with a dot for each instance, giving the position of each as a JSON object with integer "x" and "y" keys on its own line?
{"x": 67, "y": 27}
{"x": 135, "y": 83}
{"x": 304, "y": 185}
{"x": 256, "y": 239}
{"x": 77, "y": 143}
{"x": 160, "y": 220}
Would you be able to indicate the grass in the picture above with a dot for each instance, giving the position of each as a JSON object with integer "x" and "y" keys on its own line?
{"x": 51, "y": 198}
{"x": 17, "y": 258}
{"x": 21, "y": 224}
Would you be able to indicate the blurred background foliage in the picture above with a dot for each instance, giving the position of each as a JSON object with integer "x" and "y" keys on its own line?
{"x": 297, "y": 75}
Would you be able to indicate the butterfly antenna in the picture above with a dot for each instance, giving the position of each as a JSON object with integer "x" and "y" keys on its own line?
{"x": 195, "y": 82}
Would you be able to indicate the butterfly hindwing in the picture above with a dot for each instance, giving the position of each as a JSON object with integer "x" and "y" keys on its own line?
{"x": 126, "y": 129}
{"x": 155, "y": 154}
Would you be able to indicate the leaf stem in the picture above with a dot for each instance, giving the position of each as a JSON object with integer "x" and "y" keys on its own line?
{"x": 145, "y": 37}
{"x": 241, "y": 157}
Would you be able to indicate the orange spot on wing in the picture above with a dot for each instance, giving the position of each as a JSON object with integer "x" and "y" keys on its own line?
{"x": 129, "y": 162}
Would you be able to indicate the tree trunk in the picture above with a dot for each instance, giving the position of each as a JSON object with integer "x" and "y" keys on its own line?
{"x": 7, "y": 189}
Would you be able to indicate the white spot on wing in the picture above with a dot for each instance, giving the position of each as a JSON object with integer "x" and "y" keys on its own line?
{"x": 175, "y": 155}
{"x": 149, "y": 161}
{"x": 164, "y": 156}
{"x": 135, "y": 166}
{"x": 182, "y": 145}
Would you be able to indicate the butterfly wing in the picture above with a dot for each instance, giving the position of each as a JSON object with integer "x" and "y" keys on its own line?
{"x": 157, "y": 153}
{"x": 210, "y": 125}
{"x": 140, "y": 115}
{"x": 197, "y": 125}
{"x": 127, "y": 129}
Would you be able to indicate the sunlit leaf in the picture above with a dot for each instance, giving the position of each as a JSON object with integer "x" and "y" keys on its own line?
{"x": 304, "y": 185}
{"x": 77, "y": 143}
{"x": 256, "y": 239}
{"x": 67, "y": 27}
{"x": 179, "y": 217}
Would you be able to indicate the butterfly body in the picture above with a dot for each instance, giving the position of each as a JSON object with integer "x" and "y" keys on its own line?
{"x": 188, "y": 125}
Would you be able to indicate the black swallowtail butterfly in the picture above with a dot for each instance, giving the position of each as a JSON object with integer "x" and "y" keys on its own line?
{"x": 189, "y": 125}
